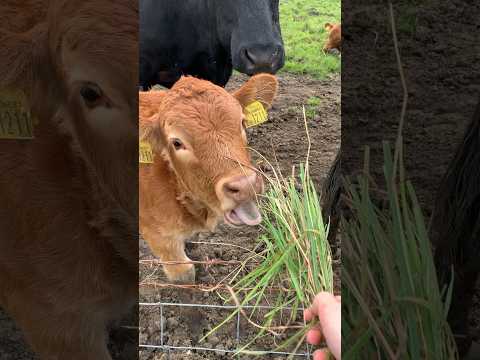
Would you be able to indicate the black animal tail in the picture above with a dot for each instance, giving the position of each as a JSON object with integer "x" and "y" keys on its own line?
{"x": 331, "y": 192}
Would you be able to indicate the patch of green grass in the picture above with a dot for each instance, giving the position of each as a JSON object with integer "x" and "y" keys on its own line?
{"x": 314, "y": 101}
{"x": 312, "y": 104}
{"x": 407, "y": 20}
{"x": 304, "y": 35}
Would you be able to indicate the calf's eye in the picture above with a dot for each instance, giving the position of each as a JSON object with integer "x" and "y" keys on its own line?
{"x": 91, "y": 94}
{"x": 177, "y": 144}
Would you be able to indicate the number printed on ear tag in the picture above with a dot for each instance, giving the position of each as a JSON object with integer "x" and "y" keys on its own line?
{"x": 16, "y": 122}
{"x": 255, "y": 114}
{"x": 145, "y": 153}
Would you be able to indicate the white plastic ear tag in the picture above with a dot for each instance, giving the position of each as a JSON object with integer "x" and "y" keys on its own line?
{"x": 145, "y": 153}
{"x": 255, "y": 114}
{"x": 16, "y": 121}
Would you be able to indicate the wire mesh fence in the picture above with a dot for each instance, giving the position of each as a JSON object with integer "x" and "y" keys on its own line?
{"x": 163, "y": 346}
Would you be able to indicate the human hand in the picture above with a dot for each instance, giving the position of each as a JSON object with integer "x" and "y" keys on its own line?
{"x": 327, "y": 308}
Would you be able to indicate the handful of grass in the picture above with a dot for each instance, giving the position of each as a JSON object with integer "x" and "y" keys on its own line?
{"x": 391, "y": 304}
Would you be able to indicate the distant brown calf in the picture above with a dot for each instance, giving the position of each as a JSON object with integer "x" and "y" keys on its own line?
{"x": 334, "y": 40}
{"x": 201, "y": 172}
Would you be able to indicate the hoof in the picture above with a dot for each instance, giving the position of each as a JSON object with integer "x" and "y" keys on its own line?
{"x": 180, "y": 274}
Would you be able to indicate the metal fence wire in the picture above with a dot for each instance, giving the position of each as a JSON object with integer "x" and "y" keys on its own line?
{"x": 168, "y": 349}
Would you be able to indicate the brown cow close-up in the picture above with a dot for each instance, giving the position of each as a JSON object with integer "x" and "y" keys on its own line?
{"x": 68, "y": 224}
{"x": 201, "y": 173}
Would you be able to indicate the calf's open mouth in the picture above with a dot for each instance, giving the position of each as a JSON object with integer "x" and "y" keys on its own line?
{"x": 244, "y": 214}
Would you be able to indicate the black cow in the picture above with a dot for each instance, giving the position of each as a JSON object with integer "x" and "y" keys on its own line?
{"x": 456, "y": 231}
{"x": 208, "y": 39}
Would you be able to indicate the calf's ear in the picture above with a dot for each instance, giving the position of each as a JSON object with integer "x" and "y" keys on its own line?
{"x": 149, "y": 109}
{"x": 261, "y": 87}
{"x": 328, "y": 26}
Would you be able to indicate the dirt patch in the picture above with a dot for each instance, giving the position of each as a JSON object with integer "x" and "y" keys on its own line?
{"x": 281, "y": 139}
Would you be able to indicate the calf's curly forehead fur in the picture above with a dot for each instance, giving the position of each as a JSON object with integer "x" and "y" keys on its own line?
{"x": 205, "y": 115}
{"x": 203, "y": 106}
{"x": 71, "y": 29}
{"x": 201, "y": 102}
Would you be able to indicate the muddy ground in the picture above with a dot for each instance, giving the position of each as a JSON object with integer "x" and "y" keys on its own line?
{"x": 283, "y": 137}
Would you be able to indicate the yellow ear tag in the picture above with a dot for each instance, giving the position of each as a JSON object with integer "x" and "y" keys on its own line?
{"x": 255, "y": 114}
{"x": 16, "y": 121}
{"x": 145, "y": 153}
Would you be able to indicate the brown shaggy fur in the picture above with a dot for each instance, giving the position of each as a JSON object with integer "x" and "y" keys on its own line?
{"x": 68, "y": 221}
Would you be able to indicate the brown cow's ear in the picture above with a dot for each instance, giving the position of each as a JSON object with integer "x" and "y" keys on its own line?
{"x": 149, "y": 117}
{"x": 261, "y": 87}
{"x": 16, "y": 57}
{"x": 150, "y": 131}
{"x": 328, "y": 26}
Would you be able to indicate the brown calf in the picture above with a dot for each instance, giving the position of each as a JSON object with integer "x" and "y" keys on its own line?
{"x": 334, "y": 40}
{"x": 201, "y": 171}
{"x": 68, "y": 219}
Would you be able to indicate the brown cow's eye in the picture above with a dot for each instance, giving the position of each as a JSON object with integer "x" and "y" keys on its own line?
{"x": 91, "y": 94}
{"x": 177, "y": 144}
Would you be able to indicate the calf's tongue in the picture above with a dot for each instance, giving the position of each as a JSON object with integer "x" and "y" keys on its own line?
{"x": 248, "y": 213}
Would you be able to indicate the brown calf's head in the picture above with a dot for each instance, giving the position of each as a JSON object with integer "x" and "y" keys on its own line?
{"x": 334, "y": 40}
{"x": 77, "y": 65}
{"x": 96, "y": 65}
{"x": 96, "y": 62}
{"x": 198, "y": 128}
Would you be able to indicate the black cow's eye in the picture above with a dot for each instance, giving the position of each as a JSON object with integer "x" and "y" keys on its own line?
{"x": 177, "y": 144}
{"x": 91, "y": 94}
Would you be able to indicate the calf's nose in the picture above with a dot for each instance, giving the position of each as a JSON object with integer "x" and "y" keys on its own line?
{"x": 243, "y": 188}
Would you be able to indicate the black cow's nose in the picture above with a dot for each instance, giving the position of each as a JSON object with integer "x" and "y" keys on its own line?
{"x": 261, "y": 58}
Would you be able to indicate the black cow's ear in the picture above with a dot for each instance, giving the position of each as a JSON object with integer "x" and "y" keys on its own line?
{"x": 261, "y": 87}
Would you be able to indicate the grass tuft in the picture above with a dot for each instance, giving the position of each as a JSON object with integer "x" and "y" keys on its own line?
{"x": 391, "y": 305}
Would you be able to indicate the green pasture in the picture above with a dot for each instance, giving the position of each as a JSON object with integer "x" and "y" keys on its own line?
{"x": 302, "y": 23}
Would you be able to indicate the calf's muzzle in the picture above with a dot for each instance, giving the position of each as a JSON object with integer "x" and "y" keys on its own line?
{"x": 241, "y": 193}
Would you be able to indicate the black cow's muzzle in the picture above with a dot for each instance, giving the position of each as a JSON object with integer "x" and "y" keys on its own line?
{"x": 256, "y": 59}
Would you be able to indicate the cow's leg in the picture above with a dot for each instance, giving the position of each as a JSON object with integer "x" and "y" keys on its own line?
{"x": 53, "y": 336}
{"x": 94, "y": 352}
{"x": 173, "y": 250}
